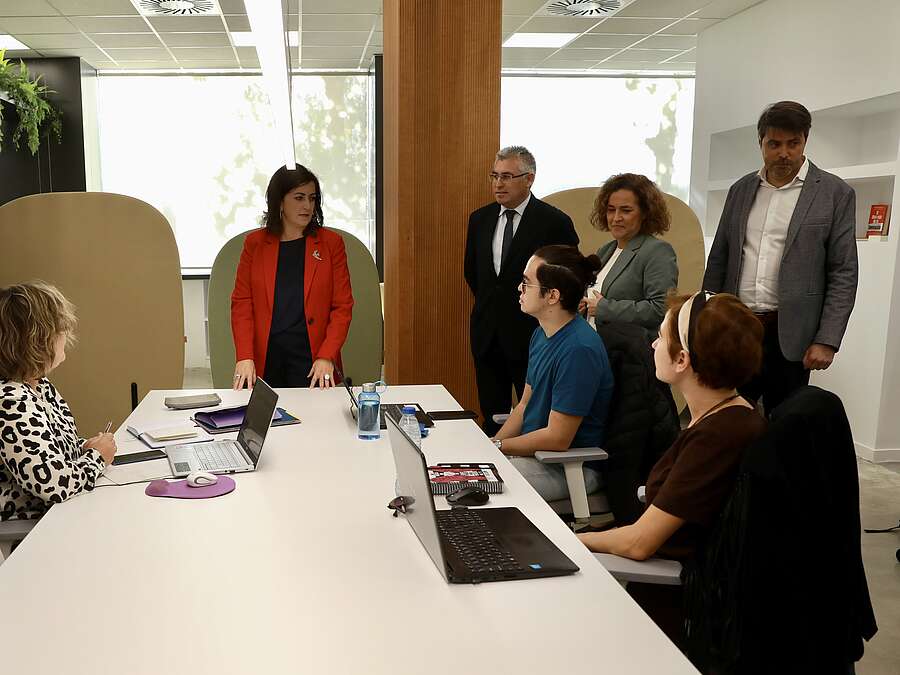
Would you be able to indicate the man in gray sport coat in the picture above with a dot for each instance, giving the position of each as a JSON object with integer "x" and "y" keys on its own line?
{"x": 786, "y": 246}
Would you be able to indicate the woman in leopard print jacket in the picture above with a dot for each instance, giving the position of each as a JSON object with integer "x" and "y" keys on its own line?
{"x": 42, "y": 459}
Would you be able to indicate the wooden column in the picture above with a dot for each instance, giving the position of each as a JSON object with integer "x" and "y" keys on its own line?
{"x": 441, "y": 130}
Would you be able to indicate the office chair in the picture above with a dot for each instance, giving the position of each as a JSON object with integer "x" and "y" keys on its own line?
{"x": 11, "y": 533}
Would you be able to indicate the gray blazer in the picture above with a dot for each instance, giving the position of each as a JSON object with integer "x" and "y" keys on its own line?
{"x": 817, "y": 281}
{"x": 635, "y": 288}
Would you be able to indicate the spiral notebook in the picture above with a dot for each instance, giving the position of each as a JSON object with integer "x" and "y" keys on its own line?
{"x": 451, "y": 476}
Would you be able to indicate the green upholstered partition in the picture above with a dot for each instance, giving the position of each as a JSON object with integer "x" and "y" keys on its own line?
{"x": 116, "y": 259}
{"x": 362, "y": 353}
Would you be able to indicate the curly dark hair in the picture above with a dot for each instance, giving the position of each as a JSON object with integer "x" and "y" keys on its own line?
{"x": 283, "y": 181}
{"x": 656, "y": 216}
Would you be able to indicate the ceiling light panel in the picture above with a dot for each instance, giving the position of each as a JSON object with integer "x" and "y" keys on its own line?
{"x": 538, "y": 40}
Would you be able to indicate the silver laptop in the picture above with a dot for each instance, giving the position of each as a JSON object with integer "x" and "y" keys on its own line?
{"x": 230, "y": 456}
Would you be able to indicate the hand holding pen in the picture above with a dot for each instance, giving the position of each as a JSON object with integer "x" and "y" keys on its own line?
{"x": 104, "y": 443}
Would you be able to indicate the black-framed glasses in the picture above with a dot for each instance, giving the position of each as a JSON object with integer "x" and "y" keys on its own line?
{"x": 524, "y": 284}
{"x": 505, "y": 177}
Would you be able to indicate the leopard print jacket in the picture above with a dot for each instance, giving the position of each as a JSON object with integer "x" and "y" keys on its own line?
{"x": 43, "y": 459}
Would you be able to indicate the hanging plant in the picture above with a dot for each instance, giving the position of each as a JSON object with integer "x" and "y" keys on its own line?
{"x": 37, "y": 116}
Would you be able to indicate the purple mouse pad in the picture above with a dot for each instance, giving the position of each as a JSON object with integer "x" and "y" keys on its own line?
{"x": 179, "y": 489}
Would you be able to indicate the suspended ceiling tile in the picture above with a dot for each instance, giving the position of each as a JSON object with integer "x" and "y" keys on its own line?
{"x": 524, "y": 53}
{"x": 662, "y": 9}
{"x": 15, "y": 54}
{"x": 723, "y": 9}
{"x": 594, "y": 41}
{"x": 207, "y": 64}
{"x": 123, "y": 40}
{"x": 200, "y": 53}
{"x": 341, "y": 7}
{"x": 142, "y": 54}
{"x": 232, "y": 6}
{"x": 149, "y": 65}
{"x": 195, "y": 39}
{"x": 377, "y": 39}
{"x": 512, "y": 23}
{"x": 247, "y": 53}
{"x": 95, "y": 7}
{"x": 334, "y": 38}
{"x": 90, "y": 55}
{"x": 592, "y": 55}
{"x": 35, "y": 25}
{"x": 340, "y": 21}
{"x": 55, "y": 41}
{"x": 187, "y": 24}
{"x": 558, "y": 25}
{"x": 690, "y": 26}
{"x": 110, "y": 24}
{"x": 631, "y": 26}
{"x": 29, "y": 8}
{"x": 339, "y": 53}
{"x": 238, "y": 23}
{"x": 669, "y": 42}
{"x": 522, "y": 6}
{"x": 341, "y": 64}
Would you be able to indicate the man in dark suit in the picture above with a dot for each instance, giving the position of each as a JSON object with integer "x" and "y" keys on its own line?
{"x": 786, "y": 246}
{"x": 501, "y": 238}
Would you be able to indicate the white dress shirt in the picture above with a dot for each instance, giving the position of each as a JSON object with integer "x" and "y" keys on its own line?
{"x": 497, "y": 246}
{"x": 601, "y": 277}
{"x": 767, "y": 227}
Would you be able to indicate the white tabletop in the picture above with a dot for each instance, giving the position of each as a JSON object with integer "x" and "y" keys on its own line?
{"x": 303, "y": 570}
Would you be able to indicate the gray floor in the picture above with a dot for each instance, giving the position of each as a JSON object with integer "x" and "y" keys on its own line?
{"x": 879, "y": 491}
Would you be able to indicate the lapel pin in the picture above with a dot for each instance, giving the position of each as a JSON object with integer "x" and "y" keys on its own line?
{"x": 316, "y": 255}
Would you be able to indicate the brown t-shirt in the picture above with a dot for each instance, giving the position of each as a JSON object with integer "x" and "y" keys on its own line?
{"x": 695, "y": 476}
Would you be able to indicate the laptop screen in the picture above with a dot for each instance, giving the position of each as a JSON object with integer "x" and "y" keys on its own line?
{"x": 412, "y": 478}
{"x": 257, "y": 419}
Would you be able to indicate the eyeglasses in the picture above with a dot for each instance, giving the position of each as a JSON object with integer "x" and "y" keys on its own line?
{"x": 524, "y": 284}
{"x": 505, "y": 177}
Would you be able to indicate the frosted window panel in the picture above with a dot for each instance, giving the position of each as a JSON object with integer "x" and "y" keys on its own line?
{"x": 582, "y": 130}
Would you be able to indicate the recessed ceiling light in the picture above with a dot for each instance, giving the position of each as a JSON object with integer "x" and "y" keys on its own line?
{"x": 247, "y": 39}
{"x": 553, "y": 40}
{"x": 8, "y": 42}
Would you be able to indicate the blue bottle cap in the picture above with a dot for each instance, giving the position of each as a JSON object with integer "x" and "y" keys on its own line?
{"x": 409, "y": 410}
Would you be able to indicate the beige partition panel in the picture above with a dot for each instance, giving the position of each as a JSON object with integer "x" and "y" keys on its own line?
{"x": 115, "y": 258}
{"x": 685, "y": 235}
{"x": 362, "y": 352}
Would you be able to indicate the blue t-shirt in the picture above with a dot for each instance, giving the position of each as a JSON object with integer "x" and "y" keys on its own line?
{"x": 569, "y": 373}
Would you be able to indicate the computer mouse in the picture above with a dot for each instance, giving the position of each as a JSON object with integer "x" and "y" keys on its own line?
{"x": 468, "y": 495}
{"x": 201, "y": 479}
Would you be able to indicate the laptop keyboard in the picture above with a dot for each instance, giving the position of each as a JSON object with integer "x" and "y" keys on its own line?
{"x": 217, "y": 455}
{"x": 474, "y": 542}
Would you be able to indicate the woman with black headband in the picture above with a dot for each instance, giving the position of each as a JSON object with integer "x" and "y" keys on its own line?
{"x": 708, "y": 346}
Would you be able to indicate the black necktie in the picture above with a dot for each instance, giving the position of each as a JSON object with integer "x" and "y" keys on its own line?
{"x": 507, "y": 235}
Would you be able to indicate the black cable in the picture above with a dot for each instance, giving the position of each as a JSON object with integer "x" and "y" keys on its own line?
{"x": 887, "y": 529}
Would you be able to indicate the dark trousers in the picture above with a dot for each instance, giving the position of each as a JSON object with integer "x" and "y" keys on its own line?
{"x": 288, "y": 360}
{"x": 496, "y": 374}
{"x": 778, "y": 378}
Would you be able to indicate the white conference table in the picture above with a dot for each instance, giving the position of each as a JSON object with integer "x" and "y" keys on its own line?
{"x": 302, "y": 569}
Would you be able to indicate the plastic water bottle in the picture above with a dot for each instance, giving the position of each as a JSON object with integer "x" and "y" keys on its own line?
{"x": 368, "y": 421}
{"x": 410, "y": 425}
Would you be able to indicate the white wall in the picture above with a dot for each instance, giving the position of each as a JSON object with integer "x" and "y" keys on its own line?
{"x": 822, "y": 53}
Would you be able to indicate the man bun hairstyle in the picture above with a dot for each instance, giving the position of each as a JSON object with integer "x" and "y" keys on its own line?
{"x": 787, "y": 116}
{"x": 569, "y": 272}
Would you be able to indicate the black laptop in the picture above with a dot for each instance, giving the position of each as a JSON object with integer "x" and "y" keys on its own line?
{"x": 471, "y": 545}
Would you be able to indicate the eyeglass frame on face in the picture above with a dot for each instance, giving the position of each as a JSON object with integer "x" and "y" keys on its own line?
{"x": 505, "y": 177}
{"x": 524, "y": 284}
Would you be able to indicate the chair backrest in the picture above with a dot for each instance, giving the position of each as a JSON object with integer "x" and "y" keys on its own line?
{"x": 642, "y": 422}
{"x": 781, "y": 574}
{"x": 116, "y": 259}
{"x": 362, "y": 353}
{"x": 685, "y": 234}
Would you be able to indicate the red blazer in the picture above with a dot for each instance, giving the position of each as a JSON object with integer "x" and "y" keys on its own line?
{"x": 328, "y": 298}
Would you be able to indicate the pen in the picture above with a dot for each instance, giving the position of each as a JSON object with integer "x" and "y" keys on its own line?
{"x": 108, "y": 427}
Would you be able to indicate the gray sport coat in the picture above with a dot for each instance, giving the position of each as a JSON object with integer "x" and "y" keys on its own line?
{"x": 817, "y": 280}
{"x": 635, "y": 288}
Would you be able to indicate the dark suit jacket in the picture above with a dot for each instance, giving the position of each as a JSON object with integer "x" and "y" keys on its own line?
{"x": 497, "y": 308}
{"x": 817, "y": 281}
{"x": 635, "y": 289}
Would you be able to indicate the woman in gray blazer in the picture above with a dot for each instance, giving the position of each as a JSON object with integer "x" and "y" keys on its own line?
{"x": 638, "y": 269}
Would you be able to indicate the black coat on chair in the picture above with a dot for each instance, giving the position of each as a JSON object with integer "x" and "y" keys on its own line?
{"x": 780, "y": 585}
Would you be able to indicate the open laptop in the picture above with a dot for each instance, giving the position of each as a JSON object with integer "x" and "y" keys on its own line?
{"x": 230, "y": 456}
{"x": 471, "y": 545}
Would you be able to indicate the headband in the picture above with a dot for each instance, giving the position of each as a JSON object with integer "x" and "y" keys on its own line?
{"x": 687, "y": 319}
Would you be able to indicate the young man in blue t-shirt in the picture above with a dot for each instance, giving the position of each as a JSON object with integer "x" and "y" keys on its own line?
{"x": 569, "y": 382}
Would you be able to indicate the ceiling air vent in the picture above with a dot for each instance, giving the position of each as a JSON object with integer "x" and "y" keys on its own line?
{"x": 584, "y": 8}
{"x": 178, "y": 7}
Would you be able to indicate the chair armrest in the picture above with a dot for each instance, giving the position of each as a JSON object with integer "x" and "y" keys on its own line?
{"x": 500, "y": 418}
{"x": 573, "y": 455}
{"x": 15, "y": 530}
{"x": 651, "y": 571}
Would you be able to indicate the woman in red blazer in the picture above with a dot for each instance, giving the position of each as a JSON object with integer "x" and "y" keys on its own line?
{"x": 292, "y": 302}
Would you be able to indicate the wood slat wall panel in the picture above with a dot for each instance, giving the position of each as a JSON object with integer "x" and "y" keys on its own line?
{"x": 442, "y": 128}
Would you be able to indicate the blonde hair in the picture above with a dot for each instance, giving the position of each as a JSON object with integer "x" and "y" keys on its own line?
{"x": 32, "y": 316}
